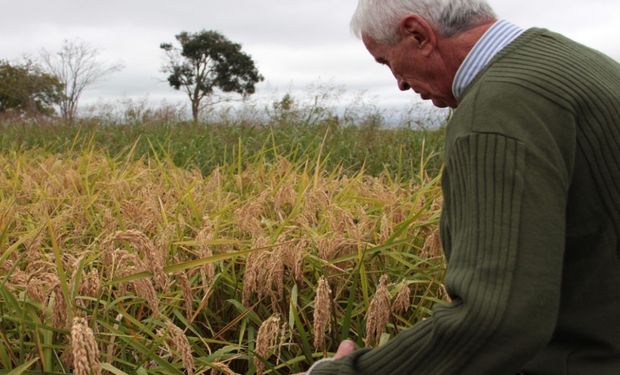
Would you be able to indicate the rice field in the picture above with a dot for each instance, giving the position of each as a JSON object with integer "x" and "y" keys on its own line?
{"x": 261, "y": 262}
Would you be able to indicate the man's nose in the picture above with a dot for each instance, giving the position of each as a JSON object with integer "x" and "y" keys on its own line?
{"x": 402, "y": 85}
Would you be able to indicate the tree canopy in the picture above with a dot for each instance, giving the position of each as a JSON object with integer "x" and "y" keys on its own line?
{"x": 205, "y": 61}
{"x": 25, "y": 89}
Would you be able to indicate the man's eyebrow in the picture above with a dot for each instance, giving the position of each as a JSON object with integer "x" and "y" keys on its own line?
{"x": 381, "y": 60}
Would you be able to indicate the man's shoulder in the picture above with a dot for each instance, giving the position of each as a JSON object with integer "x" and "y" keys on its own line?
{"x": 508, "y": 108}
{"x": 514, "y": 111}
{"x": 550, "y": 65}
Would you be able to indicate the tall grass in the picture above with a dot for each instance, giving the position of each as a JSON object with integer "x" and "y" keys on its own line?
{"x": 205, "y": 249}
{"x": 205, "y": 146}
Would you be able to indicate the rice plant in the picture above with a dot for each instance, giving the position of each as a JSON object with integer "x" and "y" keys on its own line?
{"x": 127, "y": 262}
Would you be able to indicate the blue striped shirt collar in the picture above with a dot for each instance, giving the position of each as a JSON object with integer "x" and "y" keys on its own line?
{"x": 498, "y": 36}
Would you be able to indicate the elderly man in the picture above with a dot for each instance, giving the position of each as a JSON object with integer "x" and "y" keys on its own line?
{"x": 531, "y": 218}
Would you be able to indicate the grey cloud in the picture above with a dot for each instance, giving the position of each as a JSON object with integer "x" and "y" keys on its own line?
{"x": 293, "y": 43}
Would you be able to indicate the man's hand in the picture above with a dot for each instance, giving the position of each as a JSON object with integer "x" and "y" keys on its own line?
{"x": 344, "y": 349}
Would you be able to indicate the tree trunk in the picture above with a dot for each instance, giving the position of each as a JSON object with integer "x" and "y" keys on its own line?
{"x": 195, "y": 110}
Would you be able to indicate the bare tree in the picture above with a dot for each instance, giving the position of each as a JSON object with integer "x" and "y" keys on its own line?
{"x": 76, "y": 66}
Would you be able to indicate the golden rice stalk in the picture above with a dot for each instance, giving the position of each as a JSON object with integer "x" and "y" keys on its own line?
{"x": 35, "y": 289}
{"x": 177, "y": 340}
{"x": 204, "y": 250}
{"x": 59, "y": 309}
{"x": 38, "y": 263}
{"x": 221, "y": 367}
{"x": 378, "y": 314}
{"x": 248, "y": 218}
{"x": 283, "y": 167}
{"x": 188, "y": 298}
{"x": 332, "y": 247}
{"x": 90, "y": 284}
{"x": 7, "y": 212}
{"x": 109, "y": 255}
{"x": 325, "y": 246}
{"x": 108, "y": 222}
{"x": 140, "y": 214}
{"x": 110, "y": 347}
{"x": 250, "y": 278}
{"x": 117, "y": 262}
{"x": 167, "y": 235}
{"x": 385, "y": 229}
{"x": 85, "y": 350}
{"x": 284, "y": 199}
{"x": 153, "y": 258}
{"x": 267, "y": 338}
{"x": 432, "y": 245}
{"x": 397, "y": 211}
{"x": 66, "y": 358}
{"x": 18, "y": 279}
{"x": 322, "y": 313}
{"x": 341, "y": 220}
{"x": 214, "y": 181}
{"x": 294, "y": 258}
{"x": 7, "y": 265}
{"x": 316, "y": 201}
{"x": 264, "y": 274}
{"x": 402, "y": 302}
{"x": 274, "y": 276}
{"x": 285, "y": 334}
{"x": 145, "y": 289}
{"x": 256, "y": 273}
{"x": 125, "y": 264}
{"x": 40, "y": 285}
{"x": 363, "y": 225}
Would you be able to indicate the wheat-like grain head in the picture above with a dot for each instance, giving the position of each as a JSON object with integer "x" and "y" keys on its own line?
{"x": 266, "y": 339}
{"x": 402, "y": 302}
{"x": 188, "y": 298}
{"x": 59, "y": 309}
{"x": 378, "y": 314}
{"x": 206, "y": 234}
{"x": 177, "y": 338}
{"x": 154, "y": 258}
{"x": 144, "y": 288}
{"x": 84, "y": 348}
{"x": 322, "y": 312}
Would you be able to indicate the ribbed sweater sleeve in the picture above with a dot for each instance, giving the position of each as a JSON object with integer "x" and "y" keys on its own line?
{"x": 504, "y": 218}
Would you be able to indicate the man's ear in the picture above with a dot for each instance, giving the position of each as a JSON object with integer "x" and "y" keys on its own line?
{"x": 420, "y": 31}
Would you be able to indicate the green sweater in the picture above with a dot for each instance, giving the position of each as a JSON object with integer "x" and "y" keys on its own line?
{"x": 530, "y": 225}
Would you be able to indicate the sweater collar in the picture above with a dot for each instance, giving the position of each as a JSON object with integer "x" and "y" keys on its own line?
{"x": 498, "y": 36}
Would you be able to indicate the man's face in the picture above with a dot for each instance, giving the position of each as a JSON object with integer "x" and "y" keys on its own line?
{"x": 424, "y": 73}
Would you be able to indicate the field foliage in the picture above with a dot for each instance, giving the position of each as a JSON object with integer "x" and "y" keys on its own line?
{"x": 212, "y": 248}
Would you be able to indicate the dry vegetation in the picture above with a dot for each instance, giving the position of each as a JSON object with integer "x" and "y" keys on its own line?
{"x": 108, "y": 264}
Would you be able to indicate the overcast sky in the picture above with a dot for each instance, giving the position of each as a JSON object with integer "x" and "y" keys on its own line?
{"x": 295, "y": 43}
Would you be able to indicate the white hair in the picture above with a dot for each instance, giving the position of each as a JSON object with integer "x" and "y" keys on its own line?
{"x": 379, "y": 19}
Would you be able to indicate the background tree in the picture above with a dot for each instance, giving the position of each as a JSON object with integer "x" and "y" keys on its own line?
{"x": 77, "y": 66}
{"x": 26, "y": 89}
{"x": 207, "y": 60}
